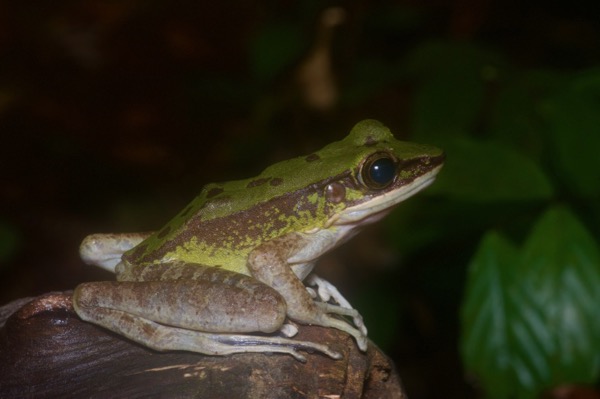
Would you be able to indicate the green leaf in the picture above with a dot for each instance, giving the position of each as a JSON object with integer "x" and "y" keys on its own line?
{"x": 369, "y": 76}
{"x": 573, "y": 118}
{"x": 10, "y": 242}
{"x": 276, "y": 48}
{"x": 561, "y": 267}
{"x": 489, "y": 171}
{"x": 447, "y": 103}
{"x": 515, "y": 115}
{"x": 529, "y": 317}
{"x": 453, "y": 76}
{"x": 485, "y": 341}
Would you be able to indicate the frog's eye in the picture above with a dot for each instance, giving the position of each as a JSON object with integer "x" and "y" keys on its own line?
{"x": 378, "y": 171}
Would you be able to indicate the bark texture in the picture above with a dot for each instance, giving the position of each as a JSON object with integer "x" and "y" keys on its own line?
{"x": 47, "y": 351}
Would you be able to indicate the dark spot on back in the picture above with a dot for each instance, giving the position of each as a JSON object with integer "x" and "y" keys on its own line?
{"x": 276, "y": 181}
{"x": 257, "y": 182}
{"x": 139, "y": 250}
{"x": 312, "y": 158}
{"x": 213, "y": 192}
{"x": 163, "y": 233}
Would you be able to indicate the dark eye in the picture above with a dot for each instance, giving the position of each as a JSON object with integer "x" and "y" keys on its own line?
{"x": 378, "y": 171}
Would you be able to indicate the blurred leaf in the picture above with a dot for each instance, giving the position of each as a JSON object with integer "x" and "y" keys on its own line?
{"x": 573, "y": 118}
{"x": 447, "y": 103}
{"x": 10, "y": 241}
{"x": 489, "y": 171}
{"x": 275, "y": 48}
{"x": 529, "y": 319}
{"x": 394, "y": 20}
{"x": 515, "y": 117}
{"x": 432, "y": 57}
{"x": 368, "y": 77}
{"x": 486, "y": 343}
{"x": 561, "y": 269}
{"x": 453, "y": 76}
{"x": 423, "y": 222}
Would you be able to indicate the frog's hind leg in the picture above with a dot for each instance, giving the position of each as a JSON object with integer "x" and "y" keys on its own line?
{"x": 192, "y": 315}
{"x": 167, "y": 338}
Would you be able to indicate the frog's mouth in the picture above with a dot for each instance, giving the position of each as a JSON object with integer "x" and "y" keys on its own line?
{"x": 376, "y": 208}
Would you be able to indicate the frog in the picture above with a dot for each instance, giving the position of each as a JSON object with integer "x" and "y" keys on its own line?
{"x": 233, "y": 272}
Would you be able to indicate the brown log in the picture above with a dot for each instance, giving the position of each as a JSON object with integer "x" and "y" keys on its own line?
{"x": 47, "y": 351}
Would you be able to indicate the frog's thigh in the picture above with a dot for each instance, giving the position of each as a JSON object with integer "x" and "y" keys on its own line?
{"x": 192, "y": 304}
{"x": 120, "y": 307}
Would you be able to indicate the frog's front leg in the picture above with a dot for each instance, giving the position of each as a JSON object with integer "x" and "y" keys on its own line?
{"x": 190, "y": 307}
{"x": 325, "y": 291}
{"x": 268, "y": 263}
{"x": 106, "y": 250}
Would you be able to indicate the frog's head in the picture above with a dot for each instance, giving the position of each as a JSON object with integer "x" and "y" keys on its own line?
{"x": 349, "y": 182}
{"x": 384, "y": 172}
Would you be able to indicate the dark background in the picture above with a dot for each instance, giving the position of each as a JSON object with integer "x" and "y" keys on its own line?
{"x": 113, "y": 115}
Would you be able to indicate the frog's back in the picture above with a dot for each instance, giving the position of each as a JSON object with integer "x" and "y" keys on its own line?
{"x": 227, "y": 220}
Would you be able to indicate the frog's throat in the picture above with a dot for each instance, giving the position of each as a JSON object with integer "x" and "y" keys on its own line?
{"x": 375, "y": 209}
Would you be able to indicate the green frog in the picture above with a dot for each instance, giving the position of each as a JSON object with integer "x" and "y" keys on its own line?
{"x": 232, "y": 272}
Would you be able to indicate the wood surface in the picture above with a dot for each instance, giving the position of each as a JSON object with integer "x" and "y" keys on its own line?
{"x": 46, "y": 351}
